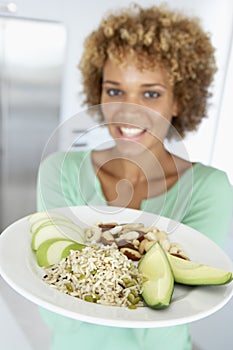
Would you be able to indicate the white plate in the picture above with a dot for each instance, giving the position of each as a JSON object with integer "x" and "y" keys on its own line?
{"x": 18, "y": 267}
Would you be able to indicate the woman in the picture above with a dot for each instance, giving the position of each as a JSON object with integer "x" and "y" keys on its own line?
{"x": 150, "y": 72}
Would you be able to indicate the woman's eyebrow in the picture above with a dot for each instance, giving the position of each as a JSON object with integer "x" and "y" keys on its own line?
{"x": 111, "y": 82}
{"x": 154, "y": 84}
{"x": 143, "y": 85}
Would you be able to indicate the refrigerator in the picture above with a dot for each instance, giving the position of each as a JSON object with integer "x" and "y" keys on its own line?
{"x": 32, "y": 54}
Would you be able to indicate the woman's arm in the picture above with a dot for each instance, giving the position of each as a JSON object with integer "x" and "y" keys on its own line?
{"x": 211, "y": 210}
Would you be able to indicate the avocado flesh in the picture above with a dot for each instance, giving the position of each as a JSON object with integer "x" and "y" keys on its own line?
{"x": 159, "y": 282}
{"x": 192, "y": 273}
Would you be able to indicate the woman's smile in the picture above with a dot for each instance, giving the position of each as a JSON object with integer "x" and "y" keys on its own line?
{"x": 130, "y": 132}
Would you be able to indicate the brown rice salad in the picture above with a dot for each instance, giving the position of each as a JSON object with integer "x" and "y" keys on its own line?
{"x": 99, "y": 274}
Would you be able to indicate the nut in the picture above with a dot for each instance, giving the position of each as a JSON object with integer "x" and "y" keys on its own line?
{"x": 151, "y": 236}
{"x": 148, "y": 244}
{"x": 115, "y": 230}
{"x": 161, "y": 235}
{"x": 130, "y": 236}
{"x": 173, "y": 249}
{"x": 94, "y": 234}
{"x": 151, "y": 229}
{"x": 141, "y": 247}
{"x": 141, "y": 235}
{"x": 131, "y": 253}
{"x": 135, "y": 226}
{"x": 122, "y": 243}
{"x": 136, "y": 243}
{"x": 106, "y": 226}
{"x": 107, "y": 238}
{"x": 165, "y": 244}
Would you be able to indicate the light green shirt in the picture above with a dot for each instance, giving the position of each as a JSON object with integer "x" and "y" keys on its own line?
{"x": 202, "y": 198}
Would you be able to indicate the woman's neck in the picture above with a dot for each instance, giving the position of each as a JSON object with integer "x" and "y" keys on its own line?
{"x": 126, "y": 182}
{"x": 149, "y": 166}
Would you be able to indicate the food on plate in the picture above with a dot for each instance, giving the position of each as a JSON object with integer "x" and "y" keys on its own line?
{"x": 158, "y": 280}
{"x": 50, "y": 225}
{"x": 101, "y": 275}
{"x": 45, "y": 233}
{"x": 115, "y": 264}
{"x": 58, "y": 222}
{"x": 192, "y": 273}
{"x": 53, "y": 250}
{"x": 134, "y": 240}
{"x": 46, "y": 215}
{"x": 40, "y": 218}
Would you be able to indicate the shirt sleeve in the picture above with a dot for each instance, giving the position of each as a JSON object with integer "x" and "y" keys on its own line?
{"x": 53, "y": 184}
{"x": 211, "y": 211}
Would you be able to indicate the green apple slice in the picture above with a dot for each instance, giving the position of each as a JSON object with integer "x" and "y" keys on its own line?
{"x": 158, "y": 284}
{"x": 71, "y": 228}
{"x": 47, "y": 232}
{"x": 45, "y": 221}
{"x": 71, "y": 231}
{"x": 45, "y": 215}
{"x": 52, "y": 251}
{"x": 192, "y": 273}
{"x": 68, "y": 227}
{"x": 64, "y": 225}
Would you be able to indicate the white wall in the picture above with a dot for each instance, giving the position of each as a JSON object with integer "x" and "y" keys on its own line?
{"x": 221, "y": 156}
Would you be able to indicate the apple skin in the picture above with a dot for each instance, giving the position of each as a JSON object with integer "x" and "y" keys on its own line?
{"x": 73, "y": 246}
{"x": 53, "y": 250}
{"x": 45, "y": 233}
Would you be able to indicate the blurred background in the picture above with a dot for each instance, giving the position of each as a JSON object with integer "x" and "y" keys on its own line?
{"x": 40, "y": 47}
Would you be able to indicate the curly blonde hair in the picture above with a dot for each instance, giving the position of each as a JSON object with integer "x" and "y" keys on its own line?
{"x": 156, "y": 36}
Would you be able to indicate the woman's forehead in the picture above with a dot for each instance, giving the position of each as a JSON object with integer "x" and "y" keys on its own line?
{"x": 132, "y": 65}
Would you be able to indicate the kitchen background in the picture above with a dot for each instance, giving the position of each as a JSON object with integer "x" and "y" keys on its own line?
{"x": 40, "y": 47}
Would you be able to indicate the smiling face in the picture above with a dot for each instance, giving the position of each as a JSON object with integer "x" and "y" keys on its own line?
{"x": 137, "y": 105}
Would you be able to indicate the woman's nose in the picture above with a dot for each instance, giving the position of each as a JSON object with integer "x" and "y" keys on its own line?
{"x": 131, "y": 98}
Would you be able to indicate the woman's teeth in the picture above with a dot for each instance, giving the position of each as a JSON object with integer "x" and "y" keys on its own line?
{"x": 130, "y": 132}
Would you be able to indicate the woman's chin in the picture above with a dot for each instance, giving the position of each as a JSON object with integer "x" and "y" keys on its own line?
{"x": 129, "y": 148}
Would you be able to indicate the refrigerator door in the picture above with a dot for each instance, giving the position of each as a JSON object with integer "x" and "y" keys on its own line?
{"x": 31, "y": 67}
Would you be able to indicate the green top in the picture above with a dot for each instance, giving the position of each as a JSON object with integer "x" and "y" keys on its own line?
{"x": 202, "y": 198}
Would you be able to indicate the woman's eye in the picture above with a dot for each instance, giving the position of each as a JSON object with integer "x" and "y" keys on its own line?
{"x": 151, "y": 94}
{"x": 114, "y": 92}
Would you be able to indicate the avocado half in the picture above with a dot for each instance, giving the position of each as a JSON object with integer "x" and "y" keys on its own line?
{"x": 192, "y": 273}
{"x": 158, "y": 280}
